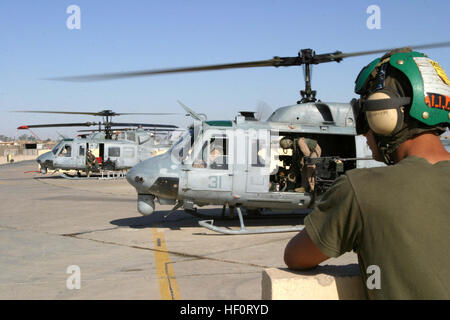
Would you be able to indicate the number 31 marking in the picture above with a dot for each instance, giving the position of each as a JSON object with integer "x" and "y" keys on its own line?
{"x": 215, "y": 182}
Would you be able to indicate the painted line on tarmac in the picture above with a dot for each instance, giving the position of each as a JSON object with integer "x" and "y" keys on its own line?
{"x": 168, "y": 285}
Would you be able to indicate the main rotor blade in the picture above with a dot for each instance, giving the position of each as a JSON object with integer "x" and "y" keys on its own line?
{"x": 101, "y": 113}
{"x": 133, "y": 129}
{"x": 132, "y": 74}
{"x": 148, "y": 113}
{"x": 85, "y": 124}
{"x": 60, "y": 112}
{"x": 417, "y": 47}
{"x": 275, "y": 62}
{"x": 146, "y": 125}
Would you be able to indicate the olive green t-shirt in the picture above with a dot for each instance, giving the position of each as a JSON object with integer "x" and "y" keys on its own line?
{"x": 396, "y": 218}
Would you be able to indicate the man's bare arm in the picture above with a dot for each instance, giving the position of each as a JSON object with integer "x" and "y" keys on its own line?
{"x": 302, "y": 253}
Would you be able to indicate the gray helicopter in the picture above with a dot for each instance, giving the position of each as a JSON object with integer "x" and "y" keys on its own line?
{"x": 242, "y": 163}
{"x": 111, "y": 149}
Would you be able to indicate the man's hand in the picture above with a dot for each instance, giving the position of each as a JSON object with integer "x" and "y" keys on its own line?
{"x": 302, "y": 253}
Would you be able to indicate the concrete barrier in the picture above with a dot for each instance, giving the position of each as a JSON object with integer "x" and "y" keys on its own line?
{"x": 323, "y": 283}
{"x": 21, "y": 155}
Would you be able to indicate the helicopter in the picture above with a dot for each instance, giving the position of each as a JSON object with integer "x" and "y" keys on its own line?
{"x": 251, "y": 169}
{"x": 114, "y": 149}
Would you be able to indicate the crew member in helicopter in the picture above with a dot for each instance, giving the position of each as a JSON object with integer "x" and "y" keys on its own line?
{"x": 301, "y": 148}
{"x": 215, "y": 157}
{"x": 91, "y": 163}
{"x": 66, "y": 152}
{"x": 309, "y": 148}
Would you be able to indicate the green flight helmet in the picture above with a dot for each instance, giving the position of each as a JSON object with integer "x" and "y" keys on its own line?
{"x": 430, "y": 100}
{"x": 402, "y": 94}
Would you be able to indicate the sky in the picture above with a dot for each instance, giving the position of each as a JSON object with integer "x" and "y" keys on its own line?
{"x": 37, "y": 44}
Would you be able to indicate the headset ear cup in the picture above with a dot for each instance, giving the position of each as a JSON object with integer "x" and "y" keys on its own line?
{"x": 385, "y": 122}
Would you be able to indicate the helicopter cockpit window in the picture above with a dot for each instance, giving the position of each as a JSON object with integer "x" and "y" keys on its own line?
{"x": 183, "y": 147}
{"x": 66, "y": 151}
{"x": 157, "y": 140}
{"x": 114, "y": 151}
{"x": 200, "y": 161}
{"x": 131, "y": 136}
{"x": 81, "y": 151}
{"x": 56, "y": 148}
{"x": 143, "y": 138}
{"x": 213, "y": 154}
{"x": 217, "y": 158}
{"x": 258, "y": 153}
{"x": 121, "y": 135}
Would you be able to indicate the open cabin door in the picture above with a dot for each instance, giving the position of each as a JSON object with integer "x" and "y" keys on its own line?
{"x": 101, "y": 154}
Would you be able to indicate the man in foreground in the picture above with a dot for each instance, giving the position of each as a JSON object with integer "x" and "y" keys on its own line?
{"x": 396, "y": 218}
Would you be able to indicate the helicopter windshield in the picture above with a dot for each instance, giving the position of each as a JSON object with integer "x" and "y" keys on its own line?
{"x": 56, "y": 148}
{"x": 187, "y": 137}
{"x": 182, "y": 148}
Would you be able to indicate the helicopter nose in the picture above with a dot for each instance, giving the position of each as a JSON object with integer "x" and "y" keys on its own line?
{"x": 131, "y": 174}
{"x": 40, "y": 159}
{"x": 146, "y": 202}
{"x": 136, "y": 178}
{"x": 45, "y": 161}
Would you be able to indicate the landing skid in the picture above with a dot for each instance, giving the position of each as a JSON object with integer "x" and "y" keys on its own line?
{"x": 103, "y": 175}
{"x": 76, "y": 177}
{"x": 209, "y": 224}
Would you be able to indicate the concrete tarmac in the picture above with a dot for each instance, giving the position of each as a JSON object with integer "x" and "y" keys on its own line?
{"x": 48, "y": 224}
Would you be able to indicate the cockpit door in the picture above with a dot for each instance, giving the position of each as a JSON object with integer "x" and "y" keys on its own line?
{"x": 66, "y": 157}
{"x": 212, "y": 166}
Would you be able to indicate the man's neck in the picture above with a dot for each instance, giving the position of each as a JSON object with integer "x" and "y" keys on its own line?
{"x": 427, "y": 146}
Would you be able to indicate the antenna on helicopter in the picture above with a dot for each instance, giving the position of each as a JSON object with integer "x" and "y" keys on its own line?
{"x": 192, "y": 113}
{"x": 61, "y": 135}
